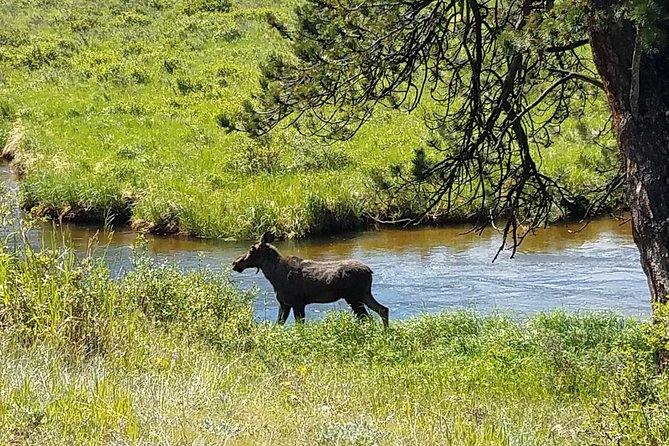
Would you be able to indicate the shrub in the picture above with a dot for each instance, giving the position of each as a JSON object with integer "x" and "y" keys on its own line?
{"x": 636, "y": 411}
{"x": 50, "y": 294}
{"x": 7, "y": 112}
{"x": 213, "y": 6}
{"x": 72, "y": 301}
{"x": 46, "y": 52}
{"x": 202, "y": 302}
{"x": 186, "y": 85}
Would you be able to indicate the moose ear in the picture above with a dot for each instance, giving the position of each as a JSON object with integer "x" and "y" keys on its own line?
{"x": 267, "y": 237}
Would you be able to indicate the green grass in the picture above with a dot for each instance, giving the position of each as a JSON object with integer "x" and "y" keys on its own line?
{"x": 162, "y": 356}
{"x": 452, "y": 378}
{"x": 119, "y": 104}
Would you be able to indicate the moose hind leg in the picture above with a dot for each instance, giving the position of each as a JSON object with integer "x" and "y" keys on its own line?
{"x": 284, "y": 310}
{"x": 369, "y": 300}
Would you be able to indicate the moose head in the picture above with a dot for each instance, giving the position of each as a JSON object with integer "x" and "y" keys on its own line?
{"x": 258, "y": 255}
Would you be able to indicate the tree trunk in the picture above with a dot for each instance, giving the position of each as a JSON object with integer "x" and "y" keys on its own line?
{"x": 637, "y": 86}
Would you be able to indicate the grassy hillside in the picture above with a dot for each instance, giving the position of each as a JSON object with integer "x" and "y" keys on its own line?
{"x": 113, "y": 110}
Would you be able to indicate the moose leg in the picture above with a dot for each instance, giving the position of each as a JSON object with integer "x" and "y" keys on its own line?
{"x": 369, "y": 300}
{"x": 298, "y": 312}
{"x": 284, "y": 310}
{"x": 359, "y": 310}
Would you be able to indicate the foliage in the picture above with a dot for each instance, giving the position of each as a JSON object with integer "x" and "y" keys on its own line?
{"x": 50, "y": 294}
{"x": 637, "y": 412}
{"x": 200, "y": 302}
{"x": 54, "y": 295}
{"x": 496, "y": 90}
{"x": 121, "y": 105}
{"x": 648, "y": 16}
{"x": 164, "y": 356}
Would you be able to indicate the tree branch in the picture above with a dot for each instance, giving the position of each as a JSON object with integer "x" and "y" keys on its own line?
{"x": 567, "y": 47}
{"x": 596, "y": 82}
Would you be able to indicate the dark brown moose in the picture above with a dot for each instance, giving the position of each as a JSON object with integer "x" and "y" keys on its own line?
{"x": 299, "y": 282}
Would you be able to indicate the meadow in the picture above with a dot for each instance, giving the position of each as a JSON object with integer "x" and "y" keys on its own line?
{"x": 161, "y": 356}
{"x": 111, "y": 111}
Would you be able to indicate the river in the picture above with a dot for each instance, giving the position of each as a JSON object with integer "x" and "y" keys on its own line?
{"x": 428, "y": 270}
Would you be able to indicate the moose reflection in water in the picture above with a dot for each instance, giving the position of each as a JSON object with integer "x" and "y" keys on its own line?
{"x": 299, "y": 282}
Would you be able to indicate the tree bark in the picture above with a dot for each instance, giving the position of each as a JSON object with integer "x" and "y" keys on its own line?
{"x": 637, "y": 86}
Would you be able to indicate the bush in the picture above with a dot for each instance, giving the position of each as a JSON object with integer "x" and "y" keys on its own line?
{"x": 46, "y": 52}
{"x": 636, "y": 408}
{"x": 50, "y": 294}
{"x": 186, "y": 85}
{"x": 196, "y": 6}
{"x": 53, "y": 295}
{"x": 636, "y": 412}
{"x": 200, "y": 302}
{"x": 7, "y": 112}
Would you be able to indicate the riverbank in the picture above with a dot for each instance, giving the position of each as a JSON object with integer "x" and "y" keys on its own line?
{"x": 162, "y": 356}
{"x": 113, "y": 112}
{"x": 426, "y": 269}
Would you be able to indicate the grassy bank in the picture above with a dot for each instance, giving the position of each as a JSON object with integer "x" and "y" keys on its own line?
{"x": 166, "y": 357}
{"x": 113, "y": 110}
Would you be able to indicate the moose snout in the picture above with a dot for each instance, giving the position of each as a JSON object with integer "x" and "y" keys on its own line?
{"x": 237, "y": 265}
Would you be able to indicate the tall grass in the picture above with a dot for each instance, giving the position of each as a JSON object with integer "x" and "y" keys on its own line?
{"x": 120, "y": 103}
{"x": 163, "y": 356}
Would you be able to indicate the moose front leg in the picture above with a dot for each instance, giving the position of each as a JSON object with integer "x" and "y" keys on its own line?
{"x": 359, "y": 310}
{"x": 284, "y": 311}
{"x": 298, "y": 312}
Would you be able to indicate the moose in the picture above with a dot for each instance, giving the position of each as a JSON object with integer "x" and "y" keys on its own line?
{"x": 298, "y": 282}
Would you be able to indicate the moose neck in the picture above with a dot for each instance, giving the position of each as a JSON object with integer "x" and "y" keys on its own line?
{"x": 272, "y": 268}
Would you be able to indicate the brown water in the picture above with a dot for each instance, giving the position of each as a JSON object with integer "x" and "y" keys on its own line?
{"x": 434, "y": 269}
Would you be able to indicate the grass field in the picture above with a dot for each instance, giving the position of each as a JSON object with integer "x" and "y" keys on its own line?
{"x": 163, "y": 357}
{"x": 113, "y": 111}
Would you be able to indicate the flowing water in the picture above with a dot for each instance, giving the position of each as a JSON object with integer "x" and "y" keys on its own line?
{"x": 432, "y": 269}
